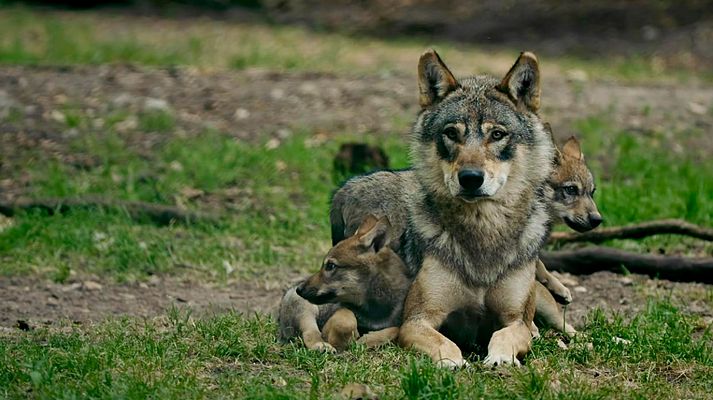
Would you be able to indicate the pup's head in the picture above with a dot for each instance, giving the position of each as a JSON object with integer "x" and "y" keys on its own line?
{"x": 351, "y": 263}
{"x": 573, "y": 184}
{"x": 477, "y": 136}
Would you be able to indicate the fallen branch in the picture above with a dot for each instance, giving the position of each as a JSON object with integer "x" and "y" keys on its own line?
{"x": 592, "y": 259}
{"x": 161, "y": 215}
{"x": 638, "y": 231}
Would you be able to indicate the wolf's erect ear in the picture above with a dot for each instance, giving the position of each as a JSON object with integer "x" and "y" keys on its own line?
{"x": 522, "y": 82}
{"x": 571, "y": 148}
{"x": 435, "y": 81}
{"x": 373, "y": 233}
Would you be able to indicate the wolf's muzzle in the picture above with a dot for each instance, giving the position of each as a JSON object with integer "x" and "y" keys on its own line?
{"x": 471, "y": 179}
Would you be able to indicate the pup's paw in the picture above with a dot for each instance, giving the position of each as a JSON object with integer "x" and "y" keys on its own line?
{"x": 451, "y": 364}
{"x": 561, "y": 294}
{"x": 323, "y": 347}
{"x": 534, "y": 331}
{"x": 494, "y": 360}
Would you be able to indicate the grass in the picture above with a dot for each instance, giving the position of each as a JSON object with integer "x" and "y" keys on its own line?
{"x": 46, "y": 37}
{"x": 271, "y": 210}
{"x": 232, "y": 355}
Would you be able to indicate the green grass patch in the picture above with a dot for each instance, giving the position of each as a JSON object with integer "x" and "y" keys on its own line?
{"x": 232, "y": 355}
{"x": 275, "y": 206}
{"x": 275, "y": 201}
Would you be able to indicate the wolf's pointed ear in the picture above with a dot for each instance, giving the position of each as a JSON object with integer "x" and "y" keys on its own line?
{"x": 571, "y": 148}
{"x": 374, "y": 234}
{"x": 558, "y": 155}
{"x": 435, "y": 81}
{"x": 522, "y": 82}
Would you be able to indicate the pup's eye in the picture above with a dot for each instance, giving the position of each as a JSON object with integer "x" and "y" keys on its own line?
{"x": 571, "y": 190}
{"x": 451, "y": 133}
{"x": 330, "y": 266}
{"x": 498, "y": 134}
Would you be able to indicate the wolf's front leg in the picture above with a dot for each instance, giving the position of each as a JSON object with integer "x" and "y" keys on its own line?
{"x": 378, "y": 338}
{"x": 512, "y": 301}
{"x": 433, "y": 295}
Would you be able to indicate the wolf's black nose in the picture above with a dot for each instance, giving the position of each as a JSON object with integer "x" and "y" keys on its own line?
{"x": 471, "y": 179}
{"x": 595, "y": 219}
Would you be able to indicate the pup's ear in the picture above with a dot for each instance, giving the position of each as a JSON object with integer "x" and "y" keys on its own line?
{"x": 571, "y": 148}
{"x": 374, "y": 234}
{"x": 435, "y": 81}
{"x": 558, "y": 155}
{"x": 522, "y": 82}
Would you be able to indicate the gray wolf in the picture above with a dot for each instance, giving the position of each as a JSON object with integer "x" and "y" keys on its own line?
{"x": 384, "y": 194}
{"x": 359, "y": 291}
{"x": 480, "y": 213}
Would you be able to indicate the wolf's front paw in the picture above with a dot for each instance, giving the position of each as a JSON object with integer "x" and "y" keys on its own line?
{"x": 323, "y": 347}
{"x": 494, "y": 360}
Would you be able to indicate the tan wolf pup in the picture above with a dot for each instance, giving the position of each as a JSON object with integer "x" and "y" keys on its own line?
{"x": 360, "y": 289}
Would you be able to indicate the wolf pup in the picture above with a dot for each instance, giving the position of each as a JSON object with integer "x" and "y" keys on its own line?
{"x": 573, "y": 204}
{"x": 482, "y": 158}
{"x": 360, "y": 289}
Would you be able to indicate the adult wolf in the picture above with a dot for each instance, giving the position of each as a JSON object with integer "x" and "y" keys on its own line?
{"x": 480, "y": 215}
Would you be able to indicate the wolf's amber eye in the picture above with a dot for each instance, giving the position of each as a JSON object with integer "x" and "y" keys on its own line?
{"x": 451, "y": 133}
{"x": 571, "y": 190}
{"x": 330, "y": 266}
{"x": 498, "y": 134}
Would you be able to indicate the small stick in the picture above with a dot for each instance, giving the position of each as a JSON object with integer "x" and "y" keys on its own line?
{"x": 637, "y": 231}
{"x": 161, "y": 215}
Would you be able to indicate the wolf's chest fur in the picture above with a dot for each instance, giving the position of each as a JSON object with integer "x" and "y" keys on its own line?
{"x": 479, "y": 242}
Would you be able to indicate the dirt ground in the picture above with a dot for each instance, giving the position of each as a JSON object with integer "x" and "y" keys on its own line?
{"x": 253, "y": 105}
{"x": 36, "y": 303}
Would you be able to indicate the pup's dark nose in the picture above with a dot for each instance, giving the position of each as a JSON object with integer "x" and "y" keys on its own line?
{"x": 471, "y": 179}
{"x": 595, "y": 219}
{"x": 300, "y": 290}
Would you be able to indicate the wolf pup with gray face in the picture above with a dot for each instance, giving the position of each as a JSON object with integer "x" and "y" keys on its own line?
{"x": 481, "y": 158}
{"x": 360, "y": 289}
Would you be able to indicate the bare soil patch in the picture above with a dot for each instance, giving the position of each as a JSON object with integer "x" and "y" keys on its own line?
{"x": 37, "y": 302}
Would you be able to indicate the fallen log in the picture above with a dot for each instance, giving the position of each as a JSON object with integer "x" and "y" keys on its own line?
{"x": 637, "y": 231}
{"x": 592, "y": 259}
{"x": 158, "y": 214}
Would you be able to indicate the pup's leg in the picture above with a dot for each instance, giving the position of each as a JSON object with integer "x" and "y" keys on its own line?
{"x": 378, "y": 338}
{"x": 298, "y": 317}
{"x": 341, "y": 329}
{"x": 559, "y": 291}
{"x": 549, "y": 312}
{"x": 434, "y": 294}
